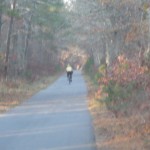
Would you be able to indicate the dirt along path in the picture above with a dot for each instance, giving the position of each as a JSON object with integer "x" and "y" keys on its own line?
{"x": 56, "y": 118}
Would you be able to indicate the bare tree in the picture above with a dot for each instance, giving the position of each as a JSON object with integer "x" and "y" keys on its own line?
{"x": 1, "y": 22}
{"x": 13, "y": 7}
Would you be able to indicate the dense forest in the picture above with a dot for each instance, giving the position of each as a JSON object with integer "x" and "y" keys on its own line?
{"x": 108, "y": 39}
{"x": 33, "y": 33}
{"x": 119, "y": 65}
{"x": 29, "y": 36}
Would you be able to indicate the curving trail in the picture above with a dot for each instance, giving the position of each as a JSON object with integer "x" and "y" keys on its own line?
{"x": 56, "y": 118}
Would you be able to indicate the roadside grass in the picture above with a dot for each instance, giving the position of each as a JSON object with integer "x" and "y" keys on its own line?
{"x": 121, "y": 133}
{"x": 125, "y": 132}
{"x": 12, "y": 93}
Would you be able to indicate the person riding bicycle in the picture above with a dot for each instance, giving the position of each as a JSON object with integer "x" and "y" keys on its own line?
{"x": 69, "y": 71}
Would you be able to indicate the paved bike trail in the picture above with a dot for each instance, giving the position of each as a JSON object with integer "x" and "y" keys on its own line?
{"x": 56, "y": 118}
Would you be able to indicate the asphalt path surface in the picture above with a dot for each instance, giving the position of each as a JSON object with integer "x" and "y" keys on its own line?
{"x": 56, "y": 118}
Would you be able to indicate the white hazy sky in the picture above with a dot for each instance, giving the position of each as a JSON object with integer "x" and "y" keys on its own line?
{"x": 69, "y": 4}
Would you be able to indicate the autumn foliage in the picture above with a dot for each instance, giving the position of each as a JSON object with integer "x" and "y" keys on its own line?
{"x": 123, "y": 80}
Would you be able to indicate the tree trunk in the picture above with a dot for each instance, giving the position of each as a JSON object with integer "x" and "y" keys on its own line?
{"x": 28, "y": 36}
{"x": 8, "y": 41}
{"x": 0, "y": 28}
{"x": 1, "y": 21}
{"x": 27, "y": 39}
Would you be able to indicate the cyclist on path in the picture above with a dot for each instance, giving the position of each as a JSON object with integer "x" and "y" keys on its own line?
{"x": 69, "y": 71}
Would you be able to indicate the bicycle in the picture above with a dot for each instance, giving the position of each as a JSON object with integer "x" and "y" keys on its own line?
{"x": 69, "y": 76}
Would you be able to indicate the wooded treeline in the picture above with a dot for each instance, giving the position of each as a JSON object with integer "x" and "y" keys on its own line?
{"x": 32, "y": 32}
{"x": 108, "y": 28}
{"x": 28, "y": 36}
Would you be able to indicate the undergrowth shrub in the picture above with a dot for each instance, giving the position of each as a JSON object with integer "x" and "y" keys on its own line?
{"x": 124, "y": 80}
{"x": 91, "y": 70}
{"x": 118, "y": 97}
{"x": 95, "y": 73}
